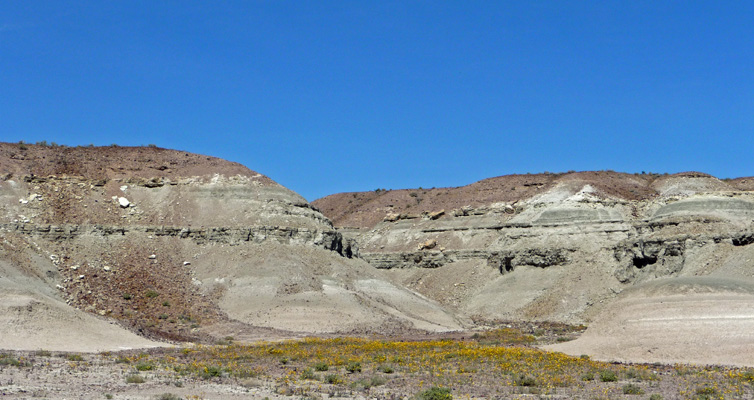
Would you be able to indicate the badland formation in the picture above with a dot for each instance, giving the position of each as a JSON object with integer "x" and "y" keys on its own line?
{"x": 104, "y": 248}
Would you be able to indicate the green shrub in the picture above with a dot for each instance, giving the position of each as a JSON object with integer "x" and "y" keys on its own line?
{"x": 333, "y": 379}
{"x": 134, "y": 378}
{"x": 321, "y": 366}
{"x": 436, "y": 393}
{"x": 655, "y": 397}
{"x": 144, "y": 367}
{"x": 524, "y": 380}
{"x": 639, "y": 375}
{"x": 608, "y": 376}
{"x": 706, "y": 393}
{"x": 632, "y": 389}
{"x": 364, "y": 384}
{"x": 74, "y": 357}
{"x": 353, "y": 367}
{"x": 6, "y": 359}
{"x": 377, "y": 381}
{"x": 126, "y": 296}
{"x": 385, "y": 369}
{"x": 587, "y": 376}
{"x": 151, "y": 294}
{"x": 211, "y": 372}
{"x": 308, "y": 374}
{"x": 43, "y": 353}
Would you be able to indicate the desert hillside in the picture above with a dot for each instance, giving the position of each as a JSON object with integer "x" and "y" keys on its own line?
{"x": 567, "y": 247}
{"x": 121, "y": 247}
{"x": 155, "y": 244}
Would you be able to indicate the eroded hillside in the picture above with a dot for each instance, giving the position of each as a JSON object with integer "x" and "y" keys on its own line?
{"x": 562, "y": 247}
{"x": 173, "y": 245}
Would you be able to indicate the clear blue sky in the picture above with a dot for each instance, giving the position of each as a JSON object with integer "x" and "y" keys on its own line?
{"x": 333, "y": 96}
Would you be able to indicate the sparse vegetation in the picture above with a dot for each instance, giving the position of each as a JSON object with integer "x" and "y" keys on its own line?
{"x": 706, "y": 393}
{"x": 386, "y": 369}
{"x": 7, "y": 359}
{"x": 308, "y": 374}
{"x": 211, "y": 371}
{"x": 608, "y": 376}
{"x": 524, "y": 380}
{"x": 436, "y": 393}
{"x": 321, "y": 366}
{"x": 135, "y": 378}
{"x": 631, "y": 388}
{"x": 353, "y": 367}
{"x": 474, "y": 368}
{"x": 144, "y": 367}
{"x": 167, "y": 396}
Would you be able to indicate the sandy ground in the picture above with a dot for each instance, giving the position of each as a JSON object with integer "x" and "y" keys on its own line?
{"x": 684, "y": 320}
{"x": 34, "y": 322}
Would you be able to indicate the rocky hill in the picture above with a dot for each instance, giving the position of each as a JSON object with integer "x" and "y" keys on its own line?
{"x": 565, "y": 247}
{"x": 113, "y": 247}
{"x": 179, "y": 246}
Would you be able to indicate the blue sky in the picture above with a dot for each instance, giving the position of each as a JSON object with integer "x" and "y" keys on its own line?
{"x": 334, "y": 96}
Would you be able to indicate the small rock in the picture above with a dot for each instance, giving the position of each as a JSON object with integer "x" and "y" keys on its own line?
{"x": 81, "y": 276}
{"x": 124, "y": 203}
{"x": 23, "y": 201}
{"x": 436, "y": 214}
{"x": 75, "y": 267}
{"x": 186, "y": 263}
{"x": 153, "y": 256}
{"x": 106, "y": 268}
{"x": 392, "y": 217}
{"x": 429, "y": 244}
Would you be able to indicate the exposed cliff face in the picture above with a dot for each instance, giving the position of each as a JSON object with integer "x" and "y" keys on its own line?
{"x": 557, "y": 247}
{"x": 182, "y": 246}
